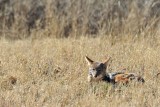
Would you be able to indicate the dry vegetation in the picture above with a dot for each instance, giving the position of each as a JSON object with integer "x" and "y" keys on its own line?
{"x": 71, "y": 18}
{"x": 53, "y": 72}
{"x": 43, "y": 45}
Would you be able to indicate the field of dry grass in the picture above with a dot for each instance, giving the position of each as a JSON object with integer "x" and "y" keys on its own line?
{"x": 72, "y": 18}
{"x": 43, "y": 45}
{"x": 53, "y": 73}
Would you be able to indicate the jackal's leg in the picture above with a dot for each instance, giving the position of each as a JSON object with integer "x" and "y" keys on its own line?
{"x": 89, "y": 78}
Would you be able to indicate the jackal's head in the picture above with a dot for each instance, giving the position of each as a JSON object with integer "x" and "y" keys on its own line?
{"x": 97, "y": 69}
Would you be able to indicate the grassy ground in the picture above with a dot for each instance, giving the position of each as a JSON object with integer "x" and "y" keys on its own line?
{"x": 53, "y": 72}
{"x": 43, "y": 65}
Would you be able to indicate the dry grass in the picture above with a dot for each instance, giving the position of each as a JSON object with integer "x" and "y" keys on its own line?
{"x": 19, "y": 19}
{"x": 53, "y": 72}
{"x": 42, "y": 70}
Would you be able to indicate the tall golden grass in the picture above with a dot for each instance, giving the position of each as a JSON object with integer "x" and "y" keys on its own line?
{"x": 44, "y": 66}
{"x": 53, "y": 72}
{"x": 71, "y": 18}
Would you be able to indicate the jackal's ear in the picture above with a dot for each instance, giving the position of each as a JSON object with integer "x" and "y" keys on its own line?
{"x": 106, "y": 61}
{"x": 158, "y": 74}
{"x": 88, "y": 60}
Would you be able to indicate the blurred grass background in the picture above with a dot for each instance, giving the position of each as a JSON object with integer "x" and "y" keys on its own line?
{"x": 71, "y": 18}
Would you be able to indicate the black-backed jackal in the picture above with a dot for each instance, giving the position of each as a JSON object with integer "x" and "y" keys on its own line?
{"x": 97, "y": 72}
